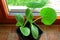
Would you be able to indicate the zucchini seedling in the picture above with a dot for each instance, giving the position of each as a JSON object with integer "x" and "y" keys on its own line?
{"x": 47, "y": 16}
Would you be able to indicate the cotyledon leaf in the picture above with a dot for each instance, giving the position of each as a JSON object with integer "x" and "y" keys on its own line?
{"x": 29, "y": 15}
{"x": 34, "y": 31}
{"x": 19, "y": 19}
{"x": 48, "y": 15}
{"x": 25, "y": 31}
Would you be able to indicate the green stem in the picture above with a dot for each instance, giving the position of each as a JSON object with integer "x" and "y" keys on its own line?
{"x": 25, "y": 22}
{"x": 36, "y": 19}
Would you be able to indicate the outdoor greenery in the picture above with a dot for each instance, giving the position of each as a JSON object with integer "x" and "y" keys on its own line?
{"x": 15, "y": 2}
{"x": 29, "y": 3}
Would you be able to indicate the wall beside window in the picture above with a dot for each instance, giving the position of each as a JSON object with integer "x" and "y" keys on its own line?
{"x": 1, "y": 14}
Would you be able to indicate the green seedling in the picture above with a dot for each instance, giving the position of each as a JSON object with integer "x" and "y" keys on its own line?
{"x": 47, "y": 16}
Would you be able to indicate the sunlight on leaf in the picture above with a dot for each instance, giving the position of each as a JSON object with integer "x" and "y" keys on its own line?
{"x": 25, "y": 31}
{"x": 48, "y": 16}
{"x": 29, "y": 15}
{"x": 20, "y": 19}
{"x": 34, "y": 31}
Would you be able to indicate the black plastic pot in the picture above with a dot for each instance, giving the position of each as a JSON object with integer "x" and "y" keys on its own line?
{"x": 30, "y": 37}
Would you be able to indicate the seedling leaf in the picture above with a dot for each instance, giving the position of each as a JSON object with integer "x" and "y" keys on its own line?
{"x": 48, "y": 16}
{"x": 25, "y": 31}
{"x": 20, "y": 19}
{"x": 18, "y": 24}
{"x": 34, "y": 31}
{"x": 29, "y": 15}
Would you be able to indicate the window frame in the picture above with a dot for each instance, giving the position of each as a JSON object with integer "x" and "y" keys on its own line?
{"x": 22, "y": 8}
{"x": 11, "y": 19}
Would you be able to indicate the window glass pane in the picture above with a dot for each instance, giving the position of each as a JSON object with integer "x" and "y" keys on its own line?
{"x": 51, "y": 3}
{"x": 20, "y": 5}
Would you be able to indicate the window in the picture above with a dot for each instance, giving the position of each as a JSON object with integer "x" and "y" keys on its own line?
{"x": 9, "y": 19}
{"x": 18, "y": 6}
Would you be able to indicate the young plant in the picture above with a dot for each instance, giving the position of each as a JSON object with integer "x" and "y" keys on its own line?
{"x": 47, "y": 16}
{"x": 20, "y": 23}
{"x": 29, "y": 17}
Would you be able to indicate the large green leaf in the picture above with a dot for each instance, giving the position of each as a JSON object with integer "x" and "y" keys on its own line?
{"x": 29, "y": 15}
{"x": 34, "y": 31}
{"x": 48, "y": 16}
{"x": 36, "y": 4}
{"x": 25, "y": 31}
{"x": 20, "y": 19}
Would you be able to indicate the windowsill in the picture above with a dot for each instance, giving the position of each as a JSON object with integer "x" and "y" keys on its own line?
{"x": 23, "y": 14}
{"x": 23, "y": 8}
{"x": 20, "y": 9}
